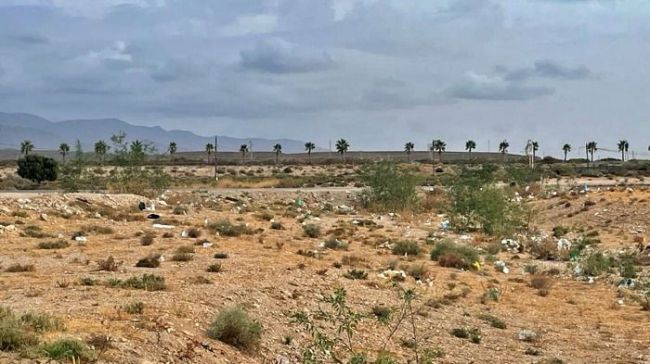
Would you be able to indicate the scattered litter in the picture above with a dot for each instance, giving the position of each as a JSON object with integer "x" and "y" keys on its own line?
{"x": 162, "y": 226}
{"x": 501, "y": 266}
{"x": 81, "y": 239}
{"x": 563, "y": 244}
{"x": 444, "y": 225}
{"x": 299, "y": 202}
{"x": 153, "y": 216}
{"x": 476, "y": 265}
{"x": 628, "y": 283}
{"x": 185, "y": 234}
{"x": 206, "y": 244}
{"x": 394, "y": 275}
{"x": 511, "y": 245}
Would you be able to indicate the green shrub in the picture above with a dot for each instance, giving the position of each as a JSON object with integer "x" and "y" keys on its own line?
{"x": 182, "y": 257}
{"x": 487, "y": 208}
{"x": 69, "y": 349}
{"x": 560, "y": 231}
{"x": 335, "y": 244}
{"x": 234, "y": 327}
{"x": 355, "y": 274}
{"x": 97, "y": 229}
{"x": 494, "y": 321}
{"x": 147, "y": 282}
{"x": 214, "y": 268}
{"x": 13, "y": 335}
{"x": 382, "y": 314}
{"x": 450, "y": 254}
{"x": 33, "y": 231}
{"x": 389, "y": 187}
{"x": 38, "y": 168}
{"x": 596, "y": 264}
{"x": 311, "y": 230}
{"x": 150, "y": 261}
{"x": 41, "y": 322}
{"x": 87, "y": 281}
{"x": 19, "y": 268}
{"x": 406, "y": 247}
{"x": 59, "y": 244}
{"x": 147, "y": 239}
{"x": 135, "y": 308}
{"x": 226, "y": 228}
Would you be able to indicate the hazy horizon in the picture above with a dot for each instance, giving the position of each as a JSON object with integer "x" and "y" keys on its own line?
{"x": 376, "y": 72}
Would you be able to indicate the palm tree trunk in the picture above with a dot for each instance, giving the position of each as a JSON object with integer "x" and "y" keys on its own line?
{"x": 309, "y": 156}
{"x": 565, "y": 156}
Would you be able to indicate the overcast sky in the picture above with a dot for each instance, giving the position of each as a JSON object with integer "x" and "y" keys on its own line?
{"x": 377, "y": 72}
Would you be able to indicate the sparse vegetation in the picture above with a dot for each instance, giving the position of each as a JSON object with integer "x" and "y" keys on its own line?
{"x": 234, "y": 327}
{"x": 450, "y": 254}
{"x": 311, "y": 230}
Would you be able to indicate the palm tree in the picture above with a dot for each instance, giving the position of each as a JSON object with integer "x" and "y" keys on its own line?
{"x": 566, "y": 148}
{"x": 172, "y": 149}
{"x": 26, "y": 147}
{"x": 243, "y": 149}
{"x": 439, "y": 146}
{"x": 309, "y": 146}
{"x": 64, "y": 149}
{"x": 503, "y": 148}
{"x": 277, "y": 149}
{"x": 591, "y": 147}
{"x": 101, "y": 148}
{"x": 623, "y": 147}
{"x": 209, "y": 148}
{"x": 408, "y": 148}
{"x": 342, "y": 147}
{"x": 469, "y": 146}
{"x": 535, "y": 149}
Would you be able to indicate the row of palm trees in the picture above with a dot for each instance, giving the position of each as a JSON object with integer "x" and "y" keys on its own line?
{"x": 101, "y": 148}
{"x": 591, "y": 147}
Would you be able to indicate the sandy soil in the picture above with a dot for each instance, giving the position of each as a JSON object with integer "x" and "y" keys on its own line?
{"x": 578, "y": 322}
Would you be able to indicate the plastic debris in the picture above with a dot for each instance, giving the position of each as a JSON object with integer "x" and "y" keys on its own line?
{"x": 563, "y": 244}
{"x": 394, "y": 275}
{"x": 511, "y": 245}
{"x": 81, "y": 239}
{"x": 162, "y": 226}
{"x": 444, "y": 225}
{"x": 501, "y": 266}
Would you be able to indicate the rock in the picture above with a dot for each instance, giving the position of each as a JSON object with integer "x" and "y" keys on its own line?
{"x": 44, "y": 217}
{"x": 526, "y": 335}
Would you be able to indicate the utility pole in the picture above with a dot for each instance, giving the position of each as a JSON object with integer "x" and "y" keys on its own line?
{"x": 215, "y": 156}
{"x": 330, "y": 153}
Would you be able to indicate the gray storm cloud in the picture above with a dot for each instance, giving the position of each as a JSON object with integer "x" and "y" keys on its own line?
{"x": 380, "y": 71}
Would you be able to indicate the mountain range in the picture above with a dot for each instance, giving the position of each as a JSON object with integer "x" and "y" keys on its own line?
{"x": 48, "y": 135}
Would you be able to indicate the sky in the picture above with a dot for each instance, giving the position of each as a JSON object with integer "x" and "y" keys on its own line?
{"x": 376, "y": 72}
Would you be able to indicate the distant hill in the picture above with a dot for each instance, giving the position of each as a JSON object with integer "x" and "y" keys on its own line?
{"x": 48, "y": 135}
